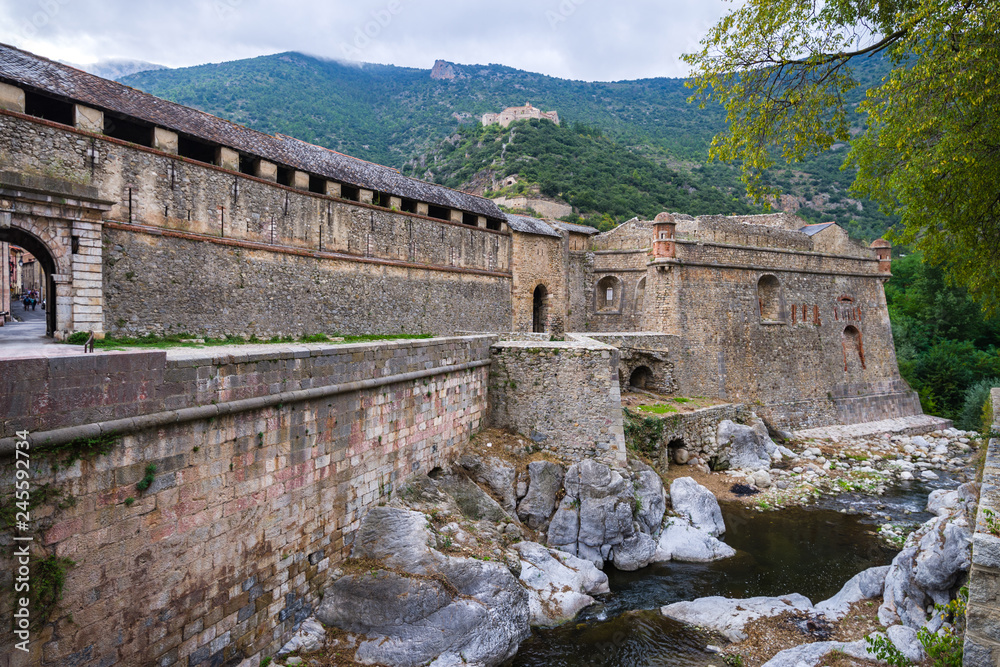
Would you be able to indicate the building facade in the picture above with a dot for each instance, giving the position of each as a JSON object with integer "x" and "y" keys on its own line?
{"x": 513, "y": 114}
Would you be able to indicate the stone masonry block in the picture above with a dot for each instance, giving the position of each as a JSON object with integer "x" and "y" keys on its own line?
{"x": 300, "y": 180}
{"x": 88, "y": 119}
{"x": 165, "y": 140}
{"x": 266, "y": 170}
{"x": 333, "y": 189}
{"x": 227, "y": 158}
{"x": 11, "y": 98}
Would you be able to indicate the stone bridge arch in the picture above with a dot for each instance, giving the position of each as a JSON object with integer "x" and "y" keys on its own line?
{"x": 60, "y": 224}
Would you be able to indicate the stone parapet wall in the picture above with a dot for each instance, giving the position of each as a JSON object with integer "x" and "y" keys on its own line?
{"x": 151, "y": 285}
{"x": 250, "y": 509}
{"x": 778, "y": 259}
{"x": 982, "y": 634}
{"x": 696, "y": 432}
{"x": 564, "y": 396}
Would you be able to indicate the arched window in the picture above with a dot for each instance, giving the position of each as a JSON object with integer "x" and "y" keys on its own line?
{"x": 769, "y": 299}
{"x": 854, "y": 349}
{"x": 609, "y": 295}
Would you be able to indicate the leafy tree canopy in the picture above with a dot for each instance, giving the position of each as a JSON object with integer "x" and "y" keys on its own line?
{"x": 785, "y": 71}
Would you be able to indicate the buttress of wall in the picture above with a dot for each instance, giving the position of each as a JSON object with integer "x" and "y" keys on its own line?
{"x": 618, "y": 291}
{"x": 539, "y": 260}
{"x": 581, "y": 289}
{"x": 824, "y": 334}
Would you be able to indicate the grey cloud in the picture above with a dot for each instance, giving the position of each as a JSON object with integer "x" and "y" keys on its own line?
{"x": 579, "y": 39}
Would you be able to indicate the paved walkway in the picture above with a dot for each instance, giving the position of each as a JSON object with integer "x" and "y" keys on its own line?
{"x": 914, "y": 425}
{"x": 28, "y": 339}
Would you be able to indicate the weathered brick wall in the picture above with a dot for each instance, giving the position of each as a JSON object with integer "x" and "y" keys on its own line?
{"x": 538, "y": 260}
{"x": 982, "y": 632}
{"x": 233, "y": 543}
{"x": 564, "y": 396}
{"x": 153, "y": 191}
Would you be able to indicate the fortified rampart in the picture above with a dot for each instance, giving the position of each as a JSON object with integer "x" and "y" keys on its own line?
{"x": 265, "y": 461}
{"x": 187, "y": 223}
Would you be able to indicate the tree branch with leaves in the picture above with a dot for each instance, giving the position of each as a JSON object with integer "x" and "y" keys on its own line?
{"x": 929, "y": 149}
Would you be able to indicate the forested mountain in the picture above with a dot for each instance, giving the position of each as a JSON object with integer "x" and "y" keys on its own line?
{"x": 403, "y": 116}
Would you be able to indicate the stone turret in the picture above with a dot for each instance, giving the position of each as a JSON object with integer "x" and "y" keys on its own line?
{"x": 664, "y": 227}
{"x": 883, "y": 250}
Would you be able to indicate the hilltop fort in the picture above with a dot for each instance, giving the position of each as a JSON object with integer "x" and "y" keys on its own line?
{"x": 513, "y": 114}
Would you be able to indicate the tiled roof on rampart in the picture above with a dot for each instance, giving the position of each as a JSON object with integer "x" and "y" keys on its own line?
{"x": 576, "y": 229}
{"x": 21, "y": 68}
{"x": 526, "y": 225}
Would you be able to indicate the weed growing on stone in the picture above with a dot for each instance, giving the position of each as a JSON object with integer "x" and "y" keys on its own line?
{"x": 147, "y": 480}
{"x": 80, "y": 448}
{"x": 47, "y": 586}
{"x": 992, "y": 522}
{"x": 37, "y": 497}
{"x": 885, "y": 651}
{"x": 658, "y": 409}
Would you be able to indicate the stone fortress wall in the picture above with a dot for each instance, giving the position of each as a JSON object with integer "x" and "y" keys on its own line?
{"x": 266, "y": 460}
{"x": 764, "y": 310}
{"x": 200, "y": 226}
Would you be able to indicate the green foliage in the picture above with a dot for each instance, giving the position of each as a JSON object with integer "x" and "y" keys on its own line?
{"x": 47, "y": 584}
{"x": 642, "y": 434}
{"x": 658, "y": 409}
{"x": 992, "y": 522}
{"x": 787, "y": 71}
{"x": 591, "y": 172}
{"x": 75, "y": 450}
{"x": 976, "y": 396}
{"x": 884, "y": 650}
{"x": 944, "y": 647}
{"x": 37, "y": 497}
{"x": 944, "y": 343}
{"x": 148, "y": 478}
{"x": 78, "y": 337}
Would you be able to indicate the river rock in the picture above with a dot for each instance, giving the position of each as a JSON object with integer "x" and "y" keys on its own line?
{"x": 905, "y": 639}
{"x": 728, "y": 616}
{"x": 309, "y": 638}
{"x": 942, "y": 501}
{"x": 933, "y": 561}
{"x": 741, "y": 447}
{"x": 862, "y": 586}
{"x": 559, "y": 585}
{"x": 681, "y": 541}
{"x": 546, "y": 480}
{"x": 496, "y": 475}
{"x": 472, "y": 501}
{"x": 635, "y": 552}
{"x": 421, "y": 604}
{"x": 809, "y": 655}
{"x": 650, "y": 500}
{"x": 698, "y": 505}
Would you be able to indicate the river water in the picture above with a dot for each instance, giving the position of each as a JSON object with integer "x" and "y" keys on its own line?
{"x": 811, "y": 550}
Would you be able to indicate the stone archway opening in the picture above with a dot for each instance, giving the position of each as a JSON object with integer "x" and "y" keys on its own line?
{"x": 45, "y": 258}
{"x": 539, "y": 309}
{"x": 641, "y": 378}
{"x": 678, "y": 451}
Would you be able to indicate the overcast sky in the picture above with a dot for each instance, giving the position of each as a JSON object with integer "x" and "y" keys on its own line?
{"x": 577, "y": 39}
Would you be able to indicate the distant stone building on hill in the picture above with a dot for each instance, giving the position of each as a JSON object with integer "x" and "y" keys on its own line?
{"x": 512, "y": 114}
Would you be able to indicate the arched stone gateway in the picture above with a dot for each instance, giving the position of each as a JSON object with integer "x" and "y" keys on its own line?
{"x": 60, "y": 224}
